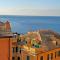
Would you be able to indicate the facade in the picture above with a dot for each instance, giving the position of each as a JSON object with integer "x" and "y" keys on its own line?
{"x": 36, "y": 45}
{"x": 5, "y": 47}
{"x": 43, "y": 47}
{"x": 5, "y": 27}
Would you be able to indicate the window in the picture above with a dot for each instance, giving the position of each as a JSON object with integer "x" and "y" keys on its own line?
{"x": 48, "y": 57}
{"x": 20, "y": 50}
{"x": 13, "y": 58}
{"x": 28, "y": 58}
{"x": 58, "y": 53}
{"x": 26, "y": 42}
{"x": 16, "y": 49}
{"x": 13, "y": 49}
{"x": 14, "y": 35}
{"x": 18, "y": 58}
{"x": 41, "y": 58}
{"x": 51, "y": 56}
{"x": 56, "y": 43}
{"x": 19, "y": 42}
{"x": 55, "y": 54}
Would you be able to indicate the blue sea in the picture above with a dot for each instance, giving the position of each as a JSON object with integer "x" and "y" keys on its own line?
{"x": 23, "y": 24}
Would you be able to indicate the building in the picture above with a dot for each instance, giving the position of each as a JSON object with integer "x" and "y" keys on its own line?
{"x": 27, "y": 47}
{"x": 5, "y": 46}
{"x": 5, "y": 27}
{"x": 36, "y": 45}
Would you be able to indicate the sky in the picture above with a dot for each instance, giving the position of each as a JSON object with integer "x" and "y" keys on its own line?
{"x": 30, "y": 7}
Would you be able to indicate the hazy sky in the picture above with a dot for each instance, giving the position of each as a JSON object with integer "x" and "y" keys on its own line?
{"x": 30, "y": 7}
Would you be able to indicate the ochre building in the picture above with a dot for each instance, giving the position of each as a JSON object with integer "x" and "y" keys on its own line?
{"x": 41, "y": 45}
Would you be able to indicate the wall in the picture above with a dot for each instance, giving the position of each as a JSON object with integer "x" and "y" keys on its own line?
{"x": 49, "y": 52}
{"x": 4, "y": 49}
{"x": 37, "y": 57}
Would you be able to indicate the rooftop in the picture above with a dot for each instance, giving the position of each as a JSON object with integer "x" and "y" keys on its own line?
{"x": 41, "y": 41}
{"x": 6, "y": 35}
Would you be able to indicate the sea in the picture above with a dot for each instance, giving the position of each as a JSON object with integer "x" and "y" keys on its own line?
{"x": 23, "y": 24}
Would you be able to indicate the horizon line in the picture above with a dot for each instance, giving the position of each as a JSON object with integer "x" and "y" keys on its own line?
{"x": 31, "y": 15}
